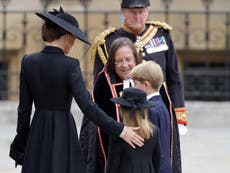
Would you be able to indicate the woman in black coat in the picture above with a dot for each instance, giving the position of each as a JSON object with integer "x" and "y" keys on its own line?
{"x": 49, "y": 79}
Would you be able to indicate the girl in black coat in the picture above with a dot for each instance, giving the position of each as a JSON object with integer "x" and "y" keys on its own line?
{"x": 124, "y": 159}
{"x": 50, "y": 79}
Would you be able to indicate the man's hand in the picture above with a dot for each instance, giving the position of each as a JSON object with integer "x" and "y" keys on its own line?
{"x": 131, "y": 137}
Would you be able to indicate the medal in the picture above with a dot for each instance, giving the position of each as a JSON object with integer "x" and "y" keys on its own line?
{"x": 157, "y": 44}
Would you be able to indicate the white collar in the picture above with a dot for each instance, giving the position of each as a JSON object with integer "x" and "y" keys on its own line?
{"x": 152, "y": 95}
{"x": 128, "y": 83}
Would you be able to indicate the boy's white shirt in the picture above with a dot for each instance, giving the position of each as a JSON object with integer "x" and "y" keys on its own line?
{"x": 128, "y": 83}
{"x": 152, "y": 95}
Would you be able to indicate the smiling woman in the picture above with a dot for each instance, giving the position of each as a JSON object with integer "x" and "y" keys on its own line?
{"x": 124, "y": 59}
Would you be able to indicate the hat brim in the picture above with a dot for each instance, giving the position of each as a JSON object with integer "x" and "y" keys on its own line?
{"x": 119, "y": 100}
{"x": 66, "y": 26}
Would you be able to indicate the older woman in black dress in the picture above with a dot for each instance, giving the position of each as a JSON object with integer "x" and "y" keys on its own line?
{"x": 50, "y": 79}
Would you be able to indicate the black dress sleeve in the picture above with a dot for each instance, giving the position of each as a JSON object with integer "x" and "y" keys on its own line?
{"x": 25, "y": 104}
{"x": 87, "y": 106}
{"x": 17, "y": 147}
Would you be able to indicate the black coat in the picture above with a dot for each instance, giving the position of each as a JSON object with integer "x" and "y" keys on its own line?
{"x": 49, "y": 79}
{"x": 145, "y": 159}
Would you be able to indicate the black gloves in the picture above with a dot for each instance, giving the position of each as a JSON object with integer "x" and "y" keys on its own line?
{"x": 17, "y": 150}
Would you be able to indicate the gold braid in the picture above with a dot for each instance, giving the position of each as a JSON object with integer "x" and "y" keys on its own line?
{"x": 99, "y": 44}
{"x": 160, "y": 24}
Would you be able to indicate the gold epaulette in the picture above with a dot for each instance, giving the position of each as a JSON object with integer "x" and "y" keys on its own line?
{"x": 160, "y": 24}
{"x": 98, "y": 43}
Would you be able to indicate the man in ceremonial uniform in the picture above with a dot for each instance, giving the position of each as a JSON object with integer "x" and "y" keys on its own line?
{"x": 153, "y": 42}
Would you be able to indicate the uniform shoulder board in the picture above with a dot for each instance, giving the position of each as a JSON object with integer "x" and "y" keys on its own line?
{"x": 160, "y": 24}
{"x": 100, "y": 39}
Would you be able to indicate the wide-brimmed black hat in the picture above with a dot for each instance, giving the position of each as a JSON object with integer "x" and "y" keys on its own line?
{"x": 135, "y": 3}
{"x": 65, "y": 21}
{"x": 133, "y": 98}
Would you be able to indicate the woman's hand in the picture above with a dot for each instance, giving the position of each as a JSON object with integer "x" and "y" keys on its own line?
{"x": 131, "y": 137}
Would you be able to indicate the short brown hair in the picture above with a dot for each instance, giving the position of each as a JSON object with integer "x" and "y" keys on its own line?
{"x": 148, "y": 71}
{"x": 51, "y": 31}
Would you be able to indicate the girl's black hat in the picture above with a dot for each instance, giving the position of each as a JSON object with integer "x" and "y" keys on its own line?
{"x": 134, "y": 98}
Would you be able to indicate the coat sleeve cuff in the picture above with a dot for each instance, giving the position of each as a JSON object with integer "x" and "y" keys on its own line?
{"x": 181, "y": 116}
{"x": 123, "y": 132}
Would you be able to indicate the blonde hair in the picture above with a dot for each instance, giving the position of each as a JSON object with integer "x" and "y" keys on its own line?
{"x": 148, "y": 71}
{"x": 137, "y": 120}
